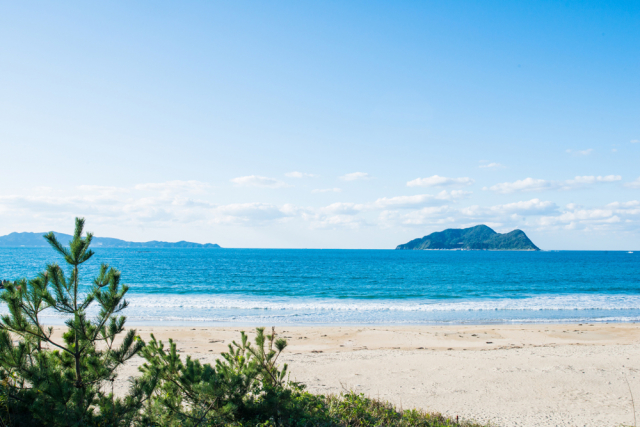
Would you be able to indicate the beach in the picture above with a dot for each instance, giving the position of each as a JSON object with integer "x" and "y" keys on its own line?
{"x": 539, "y": 375}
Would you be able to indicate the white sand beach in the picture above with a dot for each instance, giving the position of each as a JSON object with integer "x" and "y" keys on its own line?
{"x": 513, "y": 375}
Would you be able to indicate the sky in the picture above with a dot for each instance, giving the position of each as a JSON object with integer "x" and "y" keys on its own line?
{"x": 332, "y": 124}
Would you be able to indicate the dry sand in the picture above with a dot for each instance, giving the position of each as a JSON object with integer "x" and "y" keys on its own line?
{"x": 531, "y": 375}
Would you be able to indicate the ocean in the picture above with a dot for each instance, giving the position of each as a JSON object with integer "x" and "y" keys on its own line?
{"x": 359, "y": 287}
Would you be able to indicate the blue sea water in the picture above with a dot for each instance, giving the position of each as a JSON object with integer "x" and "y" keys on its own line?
{"x": 329, "y": 287}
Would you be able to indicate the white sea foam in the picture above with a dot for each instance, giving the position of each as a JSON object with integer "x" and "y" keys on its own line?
{"x": 536, "y": 303}
{"x": 270, "y": 310}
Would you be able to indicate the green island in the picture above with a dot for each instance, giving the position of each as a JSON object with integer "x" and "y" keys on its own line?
{"x": 480, "y": 237}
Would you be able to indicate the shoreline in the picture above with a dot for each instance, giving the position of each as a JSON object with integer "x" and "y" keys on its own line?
{"x": 187, "y": 324}
{"x": 540, "y": 375}
{"x": 252, "y": 324}
{"x": 225, "y": 324}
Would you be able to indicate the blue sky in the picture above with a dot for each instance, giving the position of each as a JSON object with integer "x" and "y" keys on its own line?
{"x": 322, "y": 124}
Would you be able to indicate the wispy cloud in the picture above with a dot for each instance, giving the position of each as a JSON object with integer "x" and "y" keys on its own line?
{"x": 439, "y": 215}
{"x": 531, "y": 184}
{"x": 524, "y": 208}
{"x": 300, "y": 175}
{"x": 354, "y": 176}
{"x": 529, "y": 207}
{"x": 580, "y": 152}
{"x": 531, "y": 214}
{"x": 420, "y": 200}
{"x": 152, "y": 206}
{"x": 583, "y": 180}
{"x": 353, "y": 215}
{"x": 258, "y": 181}
{"x": 343, "y": 208}
{"x": 439, "y": 181}
{"x": 492, "y": 166}
{"x": 635, "y": 141}
{"x": 338, "y": 222}
{"x": 141, "y": 205}
{"x": 326, "y": 190}
{"x": 334, "y": 216}
{"x": 174, "y": 186}
{"x": 246, "y": 213}
{"x": 633, "y": 184}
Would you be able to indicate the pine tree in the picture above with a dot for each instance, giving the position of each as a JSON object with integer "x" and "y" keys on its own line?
{"x": 65, "y": 382}
{"x": 245, "y": 387}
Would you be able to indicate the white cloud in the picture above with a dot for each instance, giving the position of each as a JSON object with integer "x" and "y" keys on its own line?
{"x": 585, "y": 180}
{"x": 420, "y": 200}
{"x": 615, "y": 216}
{"x": 499, "y": 213}
{"x": 580, "y": 218}
{"x": 174, "y": 186}
{"x": 580, "y": 152}
{"x": 339, "y": 221}
{"x": 326, "y": 190}
{"x": 300, "y": 175}
{"x": 353, "y": 215}
{"x": 158, "y": 205}
{"x": 426, "y": 216}
{"x": 334, "y": 216}
{"x": 531, "y": 184}
{"x": 258, "y": 181}
{"x": 527, "y": 184}
{"x": 94, "y": 189}
{"x": 633, "y": 184}
{"x": 354, "y": 176}
{"x": 492, "y": 166}
{"x": 343, "y": 208}
{"x": 633, "y": 204}
{"x": 404, "y": 202}
{"x": 530, "y": 214}
{"x": 635, "y": 141}
{"x": 529, "y": 207}
{"x": 439, "y": 181}
{"x": 152, "y": 206}
{"x": 247, "y": 213}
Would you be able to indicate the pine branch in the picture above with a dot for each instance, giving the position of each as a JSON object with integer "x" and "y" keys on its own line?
{"x": 55, "y": 244}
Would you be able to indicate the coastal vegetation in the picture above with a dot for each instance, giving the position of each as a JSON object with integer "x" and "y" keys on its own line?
{"x": 479, "y": 237}
{"x": 45, "y": 381}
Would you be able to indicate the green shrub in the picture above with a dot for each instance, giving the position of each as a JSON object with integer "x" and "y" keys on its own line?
{"x": 246, "y": 387}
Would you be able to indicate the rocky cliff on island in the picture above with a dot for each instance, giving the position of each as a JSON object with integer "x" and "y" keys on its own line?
{"x": 479, "y": 237}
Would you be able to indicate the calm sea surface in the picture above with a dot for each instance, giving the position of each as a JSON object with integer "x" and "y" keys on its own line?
{"x": 298, "y": 286}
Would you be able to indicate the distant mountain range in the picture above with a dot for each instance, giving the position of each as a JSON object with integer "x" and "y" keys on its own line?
{"x": 479, "y": 237}
{"x": 35, "y": 240}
